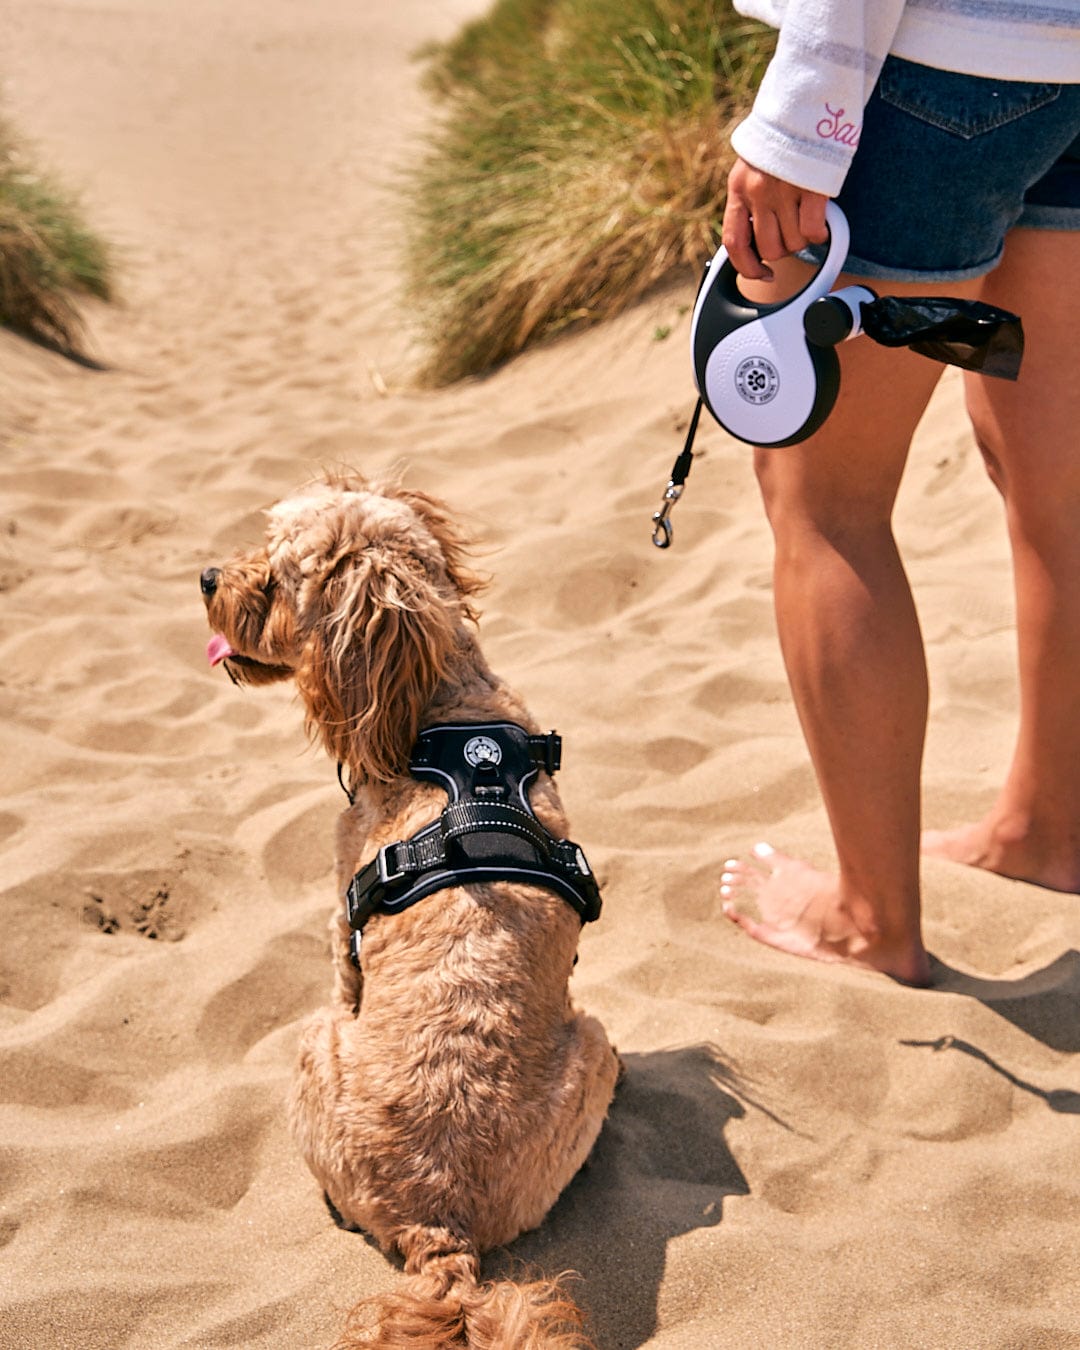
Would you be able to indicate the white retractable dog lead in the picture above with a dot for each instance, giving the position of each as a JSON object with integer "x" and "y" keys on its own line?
{"x": 769, "y": 373}
{"x": 758, "y": 370}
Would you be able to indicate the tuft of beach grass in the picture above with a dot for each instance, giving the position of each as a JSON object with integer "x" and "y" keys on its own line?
{"x": 581, "y": 156}
{"x": 49, "y": 257}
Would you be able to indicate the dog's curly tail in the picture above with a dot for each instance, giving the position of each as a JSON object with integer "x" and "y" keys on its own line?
{"x": 444, "y": 1306}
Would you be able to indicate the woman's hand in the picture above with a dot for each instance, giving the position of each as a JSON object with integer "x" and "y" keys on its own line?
{"x": 765, "y": 219}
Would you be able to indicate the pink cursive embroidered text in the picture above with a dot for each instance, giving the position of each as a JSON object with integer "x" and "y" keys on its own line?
{"x": 832, "y": 127}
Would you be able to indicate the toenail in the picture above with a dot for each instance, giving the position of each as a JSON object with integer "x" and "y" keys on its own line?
{"x": 763, "y": 850}
{"x": 730, "y": 863}
{"x": 725, "y": 890}
{"x": 726, "y": 877}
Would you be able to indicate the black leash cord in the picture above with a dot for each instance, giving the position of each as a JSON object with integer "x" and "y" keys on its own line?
{"x": 662, "y": 526}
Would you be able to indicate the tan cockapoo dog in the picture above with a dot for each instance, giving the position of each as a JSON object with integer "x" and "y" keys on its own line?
{"x": 450, "y": 1091}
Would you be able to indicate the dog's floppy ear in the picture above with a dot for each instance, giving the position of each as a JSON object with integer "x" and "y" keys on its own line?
{"x": 375, "y": 659}
{"x": 453, "y": 545}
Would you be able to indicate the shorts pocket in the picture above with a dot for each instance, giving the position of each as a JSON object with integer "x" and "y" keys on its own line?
{"x": 965, "y": 105}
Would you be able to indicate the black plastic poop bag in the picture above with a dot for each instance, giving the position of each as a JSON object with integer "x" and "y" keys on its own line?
{"x": 964, "y": 333}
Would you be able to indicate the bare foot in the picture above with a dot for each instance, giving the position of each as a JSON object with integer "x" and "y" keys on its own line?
{"x": 803, "y": 912}
{"x": 1005, "y": 848}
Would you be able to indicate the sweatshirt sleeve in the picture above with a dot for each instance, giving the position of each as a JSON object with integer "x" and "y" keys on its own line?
{"x": 805, "y": 122}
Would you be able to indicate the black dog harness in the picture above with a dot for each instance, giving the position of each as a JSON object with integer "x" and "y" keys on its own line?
{"x": 487, "y": 832}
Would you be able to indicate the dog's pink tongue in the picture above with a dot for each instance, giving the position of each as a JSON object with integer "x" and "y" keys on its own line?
{"x": 217, "y": 649}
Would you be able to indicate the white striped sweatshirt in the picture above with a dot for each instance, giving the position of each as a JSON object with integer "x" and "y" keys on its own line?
{"x": 805, "y": 122}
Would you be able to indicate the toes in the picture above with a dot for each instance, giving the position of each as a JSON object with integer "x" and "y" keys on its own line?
{"x": 749, "y": 872}
{"x": 743, "y": 879}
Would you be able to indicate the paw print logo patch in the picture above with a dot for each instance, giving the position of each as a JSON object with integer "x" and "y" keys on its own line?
{"x": 757, "y": 380}
{"x": 482, "y": 750}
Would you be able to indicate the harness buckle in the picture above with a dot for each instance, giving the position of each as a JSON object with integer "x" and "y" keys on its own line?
{"x": 385, "y": 875}
{"x": 550, "y": 751}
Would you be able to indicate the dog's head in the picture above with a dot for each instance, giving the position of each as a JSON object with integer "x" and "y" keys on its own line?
{"x": 360, "y": 594}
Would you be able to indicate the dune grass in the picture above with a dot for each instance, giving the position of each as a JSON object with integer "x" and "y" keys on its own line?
{"x": 580, "y": 158}
{"x": 48, "y": 255}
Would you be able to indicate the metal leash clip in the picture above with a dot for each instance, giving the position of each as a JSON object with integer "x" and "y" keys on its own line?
{"x": 663, "y": 528}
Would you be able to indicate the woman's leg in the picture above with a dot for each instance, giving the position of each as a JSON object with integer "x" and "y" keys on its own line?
{"x": 854, "y": 657}
{"x": 1030, "y": 435}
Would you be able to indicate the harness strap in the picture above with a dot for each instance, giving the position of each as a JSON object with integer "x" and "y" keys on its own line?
{"x": 405, "y": 871}
{"x": 477, "y": 817}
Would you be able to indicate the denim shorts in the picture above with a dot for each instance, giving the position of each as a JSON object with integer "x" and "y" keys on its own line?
{"x": 947, "y": 164}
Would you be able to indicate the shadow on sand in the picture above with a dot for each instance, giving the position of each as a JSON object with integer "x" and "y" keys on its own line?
{"x": 660, "y": 1168}
{"x": 1062, "y": 1100}
{"x": 1044, "y": 1004}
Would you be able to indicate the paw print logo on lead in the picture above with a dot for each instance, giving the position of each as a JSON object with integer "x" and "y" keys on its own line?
{"x": 757, "y": 380}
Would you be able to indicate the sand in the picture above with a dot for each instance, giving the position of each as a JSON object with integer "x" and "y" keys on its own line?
{"x": 803, "y": 1157}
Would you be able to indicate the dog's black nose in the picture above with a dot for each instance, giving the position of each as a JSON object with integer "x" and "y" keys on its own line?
{"x": 208, "y": 580}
